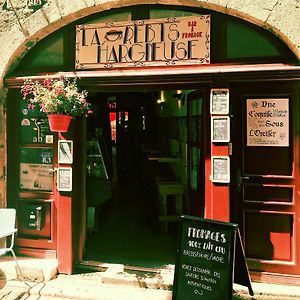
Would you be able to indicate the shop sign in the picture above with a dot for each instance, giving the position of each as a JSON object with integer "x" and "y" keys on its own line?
{"x": 268, "y": 122}
{"x": 171, "y": 41}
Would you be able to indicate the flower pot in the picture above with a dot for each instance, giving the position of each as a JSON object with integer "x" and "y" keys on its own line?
{"x": 59, "y": 123}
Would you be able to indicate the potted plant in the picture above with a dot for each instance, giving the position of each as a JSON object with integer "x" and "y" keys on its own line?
{"x": 59, "y": 98}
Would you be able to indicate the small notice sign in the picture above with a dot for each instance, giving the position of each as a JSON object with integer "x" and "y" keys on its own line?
{"x": 64, "y": 179}
{"x": 219, "y": 101}
{"x": 206, "y": 260}
{"x": 220, "y": 129}
{"x": 65, "y": 152}
{"x": 268, "y": 122}
{"x": 220, "y": 168}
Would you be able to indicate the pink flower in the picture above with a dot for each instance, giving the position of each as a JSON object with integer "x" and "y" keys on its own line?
{"x": 47, "y": 83}
{"x": 30, "y": 106}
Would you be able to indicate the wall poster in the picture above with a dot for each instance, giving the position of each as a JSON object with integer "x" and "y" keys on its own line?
{"x": 268, "y": 122}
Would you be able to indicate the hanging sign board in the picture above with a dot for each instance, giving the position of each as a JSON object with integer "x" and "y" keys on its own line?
{"x": 171, "y": 41}
{"x": 268, "y": 122}
{"x": 206, "y": 260}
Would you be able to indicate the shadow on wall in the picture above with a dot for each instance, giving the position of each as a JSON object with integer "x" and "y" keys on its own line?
{"x": 2, "y": 279}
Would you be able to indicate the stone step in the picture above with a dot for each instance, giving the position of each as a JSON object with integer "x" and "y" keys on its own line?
{"x": 33, "y": 269}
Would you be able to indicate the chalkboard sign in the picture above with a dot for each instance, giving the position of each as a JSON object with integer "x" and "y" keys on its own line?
{"x": 205, "y": 260}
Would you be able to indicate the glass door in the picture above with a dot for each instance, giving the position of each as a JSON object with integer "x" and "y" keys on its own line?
{"x": 195, "y": 147}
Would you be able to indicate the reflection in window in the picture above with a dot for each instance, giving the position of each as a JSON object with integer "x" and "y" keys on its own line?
{"x": 194, "y": 160}
{"x": 195, "y": 127}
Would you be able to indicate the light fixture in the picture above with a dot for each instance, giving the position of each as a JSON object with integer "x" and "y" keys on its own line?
{"x": 161, "y": 99}
{"x": 179, "y": 96}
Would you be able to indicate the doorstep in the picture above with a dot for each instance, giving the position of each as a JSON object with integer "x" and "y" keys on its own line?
{"x": 119, "y": 274}
{"x": 33, "y": 269}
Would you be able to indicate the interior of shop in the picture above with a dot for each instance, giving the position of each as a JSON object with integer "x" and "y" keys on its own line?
{"x": 132, "y": 209}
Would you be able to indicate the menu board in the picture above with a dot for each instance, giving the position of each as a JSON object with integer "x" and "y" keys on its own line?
{"x": 209, "y": 259}
{"x": 220, "y": 166}
{"x": 64, "y": 179}
{"x": 220, "y": 129}
{"x": 219, "y": 101}
{"x": 204, "y": 265}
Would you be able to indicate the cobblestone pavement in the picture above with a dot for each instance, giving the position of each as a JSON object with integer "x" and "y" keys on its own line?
{"x": 90, "y": 287}
{"x": 121, "y": 286}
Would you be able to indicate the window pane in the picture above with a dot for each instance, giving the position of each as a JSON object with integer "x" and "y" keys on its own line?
{"x": 47, "y": 53}
{"x": 243, "y": 41}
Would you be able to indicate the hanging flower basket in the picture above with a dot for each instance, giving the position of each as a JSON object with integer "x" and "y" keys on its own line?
{"x": 59, "y": 98}
{"x": 59, "y": 123}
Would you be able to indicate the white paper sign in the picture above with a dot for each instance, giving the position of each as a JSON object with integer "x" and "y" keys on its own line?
{"x": 219, "y": 101}
{"x": 65, "y": 152}
{"x": 220, "y": 166}
{"x": 268, "y": 122}
{"x": 64, "y": 179}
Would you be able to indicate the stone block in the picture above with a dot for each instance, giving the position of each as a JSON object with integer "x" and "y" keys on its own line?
{"x": 285, "y": 17}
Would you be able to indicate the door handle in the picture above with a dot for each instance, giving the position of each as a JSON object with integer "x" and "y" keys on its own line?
{"x": 240, "y": 179}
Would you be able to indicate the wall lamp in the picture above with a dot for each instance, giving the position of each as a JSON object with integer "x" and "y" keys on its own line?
{"x": 161, "y": 99}
{"x": 179, "y": 96}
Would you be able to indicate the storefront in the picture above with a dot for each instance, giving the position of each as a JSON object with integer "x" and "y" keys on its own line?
{"x": 202, "y": 100}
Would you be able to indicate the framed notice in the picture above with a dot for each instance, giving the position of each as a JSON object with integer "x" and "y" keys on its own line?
{"x": 268, "y": 122}
{"x": 65, "y": 152}
{"x": 219, "y": 101}
{"x": 220, "y": 129}
{"x": 64, "y": 179}
{"x": 220, "y": 168}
